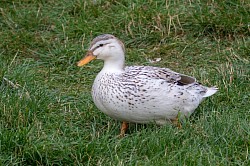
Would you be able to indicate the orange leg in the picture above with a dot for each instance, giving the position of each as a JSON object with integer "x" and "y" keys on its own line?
{"x": 176, "y": 122}
{"x": 123, "y": 129}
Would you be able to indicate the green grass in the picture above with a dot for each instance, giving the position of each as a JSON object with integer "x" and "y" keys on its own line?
{"x": 47, "y": 116}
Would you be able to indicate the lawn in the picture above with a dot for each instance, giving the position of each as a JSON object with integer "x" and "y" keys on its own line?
{"x": 47, "y": 116}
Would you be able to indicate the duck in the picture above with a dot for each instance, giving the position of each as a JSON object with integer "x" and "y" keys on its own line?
{"x": 140, "y": 94}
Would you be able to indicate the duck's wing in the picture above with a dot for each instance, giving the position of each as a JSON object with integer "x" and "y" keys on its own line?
{"x": 159, "y": 73}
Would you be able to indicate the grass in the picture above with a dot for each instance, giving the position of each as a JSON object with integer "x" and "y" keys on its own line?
{"x": 47, "y": 116}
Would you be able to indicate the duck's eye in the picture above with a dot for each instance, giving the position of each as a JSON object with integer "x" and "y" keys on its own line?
{"x": 100, "y": 45}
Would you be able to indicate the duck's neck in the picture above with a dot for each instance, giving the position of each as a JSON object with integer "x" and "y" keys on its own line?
{"x": 114, "y": 65}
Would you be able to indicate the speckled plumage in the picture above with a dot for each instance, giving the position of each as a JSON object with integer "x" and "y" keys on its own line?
{"x": 141, "y": 94}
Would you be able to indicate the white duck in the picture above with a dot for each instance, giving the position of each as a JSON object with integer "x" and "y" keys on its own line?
{"x": 140, "y": 94}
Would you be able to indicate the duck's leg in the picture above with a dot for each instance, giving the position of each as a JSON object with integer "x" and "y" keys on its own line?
{"x": 176, "y": 122}
{"x": 123, "y": 129}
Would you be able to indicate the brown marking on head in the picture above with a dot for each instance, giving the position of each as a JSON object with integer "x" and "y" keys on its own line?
{"x": 106, "y": 37}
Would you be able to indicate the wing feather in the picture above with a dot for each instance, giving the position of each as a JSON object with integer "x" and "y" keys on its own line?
{"x": 159, "y": 73}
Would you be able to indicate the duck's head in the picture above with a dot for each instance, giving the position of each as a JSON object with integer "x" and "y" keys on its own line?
{"x": 107, "y": 48}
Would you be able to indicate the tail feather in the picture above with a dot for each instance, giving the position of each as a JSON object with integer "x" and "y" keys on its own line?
{"x": 210, "y": 91}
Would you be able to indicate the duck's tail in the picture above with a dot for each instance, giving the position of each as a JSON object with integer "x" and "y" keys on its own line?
{"x": 210, "y": 91}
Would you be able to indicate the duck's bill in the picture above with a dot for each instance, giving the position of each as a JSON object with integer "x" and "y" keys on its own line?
{"x": 89, "y": 57}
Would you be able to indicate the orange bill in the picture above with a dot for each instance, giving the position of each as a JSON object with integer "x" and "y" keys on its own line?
{"x": 89, "y": 57}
